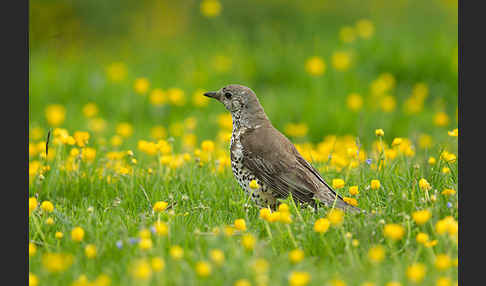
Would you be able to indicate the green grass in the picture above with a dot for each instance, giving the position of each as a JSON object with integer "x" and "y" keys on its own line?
{"x": 268, "y": 48}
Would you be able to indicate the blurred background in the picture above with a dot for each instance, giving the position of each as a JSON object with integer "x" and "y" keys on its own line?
{"x": 319, "y": 67}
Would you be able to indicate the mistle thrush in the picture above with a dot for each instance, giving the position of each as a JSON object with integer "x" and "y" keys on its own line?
{"x": 260, "y": 152}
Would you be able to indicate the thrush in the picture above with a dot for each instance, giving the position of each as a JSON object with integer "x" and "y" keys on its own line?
{"x": 260, "y": 152}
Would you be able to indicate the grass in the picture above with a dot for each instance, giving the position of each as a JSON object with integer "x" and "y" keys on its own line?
{"x": 109, "y": 188}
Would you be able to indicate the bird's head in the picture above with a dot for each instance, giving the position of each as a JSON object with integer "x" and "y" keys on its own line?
{"x": 237, "y": 98}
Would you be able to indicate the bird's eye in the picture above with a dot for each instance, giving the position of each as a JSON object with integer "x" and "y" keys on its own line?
{"x": 227, "y": 95}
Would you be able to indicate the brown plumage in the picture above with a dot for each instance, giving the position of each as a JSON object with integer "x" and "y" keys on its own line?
{"x": 260, "y": 152}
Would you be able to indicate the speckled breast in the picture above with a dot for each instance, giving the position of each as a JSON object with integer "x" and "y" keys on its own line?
{"x": 261, "y": 196}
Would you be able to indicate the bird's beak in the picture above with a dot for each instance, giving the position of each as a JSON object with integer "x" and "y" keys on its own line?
{"x": 212, "y": 94}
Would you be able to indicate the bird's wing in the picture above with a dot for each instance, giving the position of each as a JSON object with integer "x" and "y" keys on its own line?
{"x": 275, "y": 161}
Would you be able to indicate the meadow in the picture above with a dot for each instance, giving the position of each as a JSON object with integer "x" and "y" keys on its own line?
{"x": 136, "y": 186}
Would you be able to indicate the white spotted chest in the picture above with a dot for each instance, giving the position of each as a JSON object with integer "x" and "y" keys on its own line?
{"x": 261, "y": 196}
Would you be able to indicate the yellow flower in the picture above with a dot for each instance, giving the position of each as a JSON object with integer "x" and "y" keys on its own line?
{"x": 425, "y": 141}
{"x": 422, "y": 238}
{"x": 337, "y": 183}
{"x": 59, "y": 235}
{"x": 394, "y": 231}
{"x": 144, "y": 233}
{"x": 424, "y": 185}
{"x": 157, "y": 97}
{"x": 397, "y": 141}
{"x": 298, "y": 278}
{"x": 283, "y": 207}
{"x": 32, "y": 249}
{"x": 160, "y": 206}
{"x": 441, "y": 119}
{"x": 229, "y": 230}
{"x": 198, "y": 98}
{"x": 77, "y": 234}
{"x": 203, "y": 269}
{"x": 351, "y": 201}
{"x": 448, "y": 157}
{"x": 49, "y": 221}
{"x": 453, "y": 133}
{"x": 265, "y": 213}
{"x": 217, "y": 256}
{"x": 33, "y": 280}
{"x": 347, "y": 34}
{"x": 322, "y": 225}
{"x": 443, "y": 261}
{"x": 176, "y": 252}
{"x": 140, "y": 269}
{"x": 176, "y": 96}
{"x": 446, "y": 170}
{"x": 254, "y": 185}
{"x": 210, "y": 8}
{"x": 124, "y": 129}
{"x": 432, "y": 160}
{"x": 416, "y": 272}
{"x": 32, "y": 204}
{"x": 365, "y": 28}
{"x": 90, "y": 251}
{"x": 376, "y": 253}
{"x": 393, "y": 283}
{"x": 448, "y": 192}
{"x": 47, "y": 206}
{"x": 81, "y": 138}
{"x": 145, "y": 243}
{"x": 207, "y": 146}
{"x": 90, "y": 110}
{"x": 341, "y": 60}
{"x": 337, "y": 282}
{"x": 443, "y": 281}
{"x": 55, "y": 114}
{"x": 448, "y": 224}
{"x": 158, "y": 132}
{"x": 296, "y": 255}
{"x": 354, "y": 101}
{"x": 242, "y": 282}
{"x": 56, "y": 262}
{"x": 116, "y": 141}
{"x": 421, "y": 217}
{"x": 240, "y": 224}
{"x": 379, "y": 132}
{"x": 158, "y": 264}
{"x": 161, "y": 228}
{"x": 375, "y": 184}
{"x": 296, "y": 130}
{"x": 260, "y": 265}
{"x": 141, "y": 85}
{"x": 353, "y": 190}
{"x": 116, "y": 72}
{"x": 315, "y": 66}
{"x": 388, "y": 103}
{"x": 248, "y": 241}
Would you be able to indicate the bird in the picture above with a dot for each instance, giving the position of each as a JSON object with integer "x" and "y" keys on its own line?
{"x": 260, "y": 152}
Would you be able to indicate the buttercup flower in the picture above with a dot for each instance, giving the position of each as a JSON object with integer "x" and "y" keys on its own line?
{"x": 160, "y": 206}
{"x": 376, "y": 253}
{"x": 298, "y": 278}
{"x": 421, "y": 217}
{"x": 296, "y": 255}
{"x": 203, "y": 269}
{"x": 315, "y": 66}
{"x": 77, "y": 234}
{"x": 240, "y": 224}
{"x": 394, "y": 231}
{"x": 322, "y": 225}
